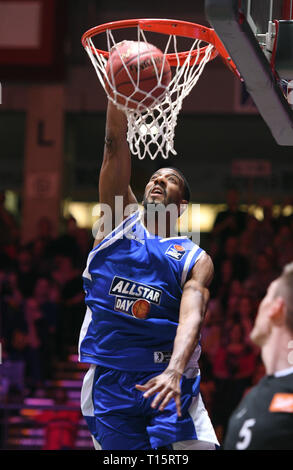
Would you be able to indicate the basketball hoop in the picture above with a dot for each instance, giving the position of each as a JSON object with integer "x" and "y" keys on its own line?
{"x": 151, "y": 129}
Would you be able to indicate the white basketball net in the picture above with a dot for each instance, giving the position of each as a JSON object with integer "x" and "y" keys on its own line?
{"x": 151, "y": 130}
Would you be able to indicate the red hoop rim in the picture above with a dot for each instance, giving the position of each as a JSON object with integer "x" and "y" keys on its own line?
{"x": 171, "y": 27}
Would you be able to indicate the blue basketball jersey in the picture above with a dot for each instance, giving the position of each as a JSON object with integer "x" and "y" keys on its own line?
{"x": 133, "y": 283}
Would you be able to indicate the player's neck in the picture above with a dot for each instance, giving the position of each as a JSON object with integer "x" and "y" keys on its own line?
{"x": 157, "y": 225}
{"x": 275, "y": 352}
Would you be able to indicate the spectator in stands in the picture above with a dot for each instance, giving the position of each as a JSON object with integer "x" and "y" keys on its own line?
{"x": 232, "y": 221}
{"x": 245, "y": 315}
{"x": 84, "y": 242}
{"x": 11, "y": 300}
{"x": 36, "y": 331}
{"x": 45, "y": 230}
{"x": 220, "y": 287}
{"x": 283, "y": 245}
{"x": 230, "y": 267}
{"x": 17, "y": 354}
{"x": 267, "y": 226}
{"x": 263, "y": 273}
{"x": 66, "y": 244}
{"x": 240, "y": 264}
{"x": 41, "y": 257}
{"x": 248, "y": 239}
{"x": 9, "y": 232}
{"x": 40, "y": 247}
{"x": 26, "y": 273}
{"x": 60, "y": 425}
{"x": 235, "y": 293}
{"x": 68, "y": 278}
{"x": 212, "y": 329}
{"x": 50, "y": 312}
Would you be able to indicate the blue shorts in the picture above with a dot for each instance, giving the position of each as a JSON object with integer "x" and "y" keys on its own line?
{"x": 120, "y": 418}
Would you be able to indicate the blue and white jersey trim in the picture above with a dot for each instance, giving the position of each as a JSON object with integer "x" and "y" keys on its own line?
{"x": 194, "y": 254}
{"x": 111, "y": 238}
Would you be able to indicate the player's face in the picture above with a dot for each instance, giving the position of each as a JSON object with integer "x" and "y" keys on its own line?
{"x": 262, "y": 326}
{"x": 164, "y": 187}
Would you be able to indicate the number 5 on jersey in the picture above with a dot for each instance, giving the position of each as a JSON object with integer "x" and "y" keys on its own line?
{"x": 245, "y": 433}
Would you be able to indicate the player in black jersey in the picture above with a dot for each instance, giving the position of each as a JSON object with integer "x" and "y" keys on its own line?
{"x": 264, "y": 418}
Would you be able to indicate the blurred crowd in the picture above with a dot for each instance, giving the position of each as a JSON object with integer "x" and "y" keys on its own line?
{"x": 42, "y": 299}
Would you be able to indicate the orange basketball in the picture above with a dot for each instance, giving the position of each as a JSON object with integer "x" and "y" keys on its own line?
{"x": 141, "y": 308}
{"x": 132, "y": 66}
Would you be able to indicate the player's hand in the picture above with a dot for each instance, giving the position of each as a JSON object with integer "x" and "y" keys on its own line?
{"x": 167, "y": 386}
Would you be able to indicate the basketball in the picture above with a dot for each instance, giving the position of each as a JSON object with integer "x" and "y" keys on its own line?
{"x": 141, "y": 308}
{"x": 137, "y": 70}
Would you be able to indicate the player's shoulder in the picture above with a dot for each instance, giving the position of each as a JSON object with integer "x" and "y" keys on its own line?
{"x": 179, "y": 248}
{"x": 284, "y": 380}
{"x": 260, "y": 391}
{"x": 179, "y": 241}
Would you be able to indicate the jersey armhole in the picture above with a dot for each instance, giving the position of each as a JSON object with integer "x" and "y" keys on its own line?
{"x": 193, "y": 256}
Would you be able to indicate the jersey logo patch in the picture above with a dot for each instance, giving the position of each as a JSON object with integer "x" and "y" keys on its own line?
{"x": 282, "y": 403}
{"x": 176, "y": 252}
{"x": 134, "y": 298}
{"x": 162, "y": 356}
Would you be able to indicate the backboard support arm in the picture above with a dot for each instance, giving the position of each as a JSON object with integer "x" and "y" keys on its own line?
{"x": 231, "y": 26}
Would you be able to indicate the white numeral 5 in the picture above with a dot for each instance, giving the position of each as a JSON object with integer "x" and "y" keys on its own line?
{"x": 245, "y": 434}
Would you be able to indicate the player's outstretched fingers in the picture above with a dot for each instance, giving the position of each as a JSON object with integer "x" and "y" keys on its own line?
{"x": 152, "y": 391}
{"x": 159, "y": 397}
{"x": 141, "y": 388}
{"x": 164, "y": 398}
{"x": 148, "y": 392}
{"x": 167, "y": 399}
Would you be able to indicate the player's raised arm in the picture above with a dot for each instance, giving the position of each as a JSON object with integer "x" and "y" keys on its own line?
{"x": 193, "y": 307}
{"x": 115, "y": 172}
{"x": 192, "y": 310}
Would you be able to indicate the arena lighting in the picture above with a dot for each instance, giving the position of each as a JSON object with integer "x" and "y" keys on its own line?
{"x": 11, "y": 201}
{"x": 81, "y": 211}
{"x": 188, "y": 222}
{"x": 87, "y": 213}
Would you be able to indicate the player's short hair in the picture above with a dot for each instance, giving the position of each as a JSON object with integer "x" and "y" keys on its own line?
{"x": 186, "y": 187}
{"x": 285, "y": 290}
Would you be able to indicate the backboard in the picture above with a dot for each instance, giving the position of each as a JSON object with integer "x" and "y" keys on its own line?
{"x": 258, "y": 34}
{"x": 259, "y": 13}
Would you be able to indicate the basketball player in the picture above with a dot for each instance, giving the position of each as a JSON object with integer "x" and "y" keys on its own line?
{"x": 146, "y": 297}
{"x": 264, "y": 418}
